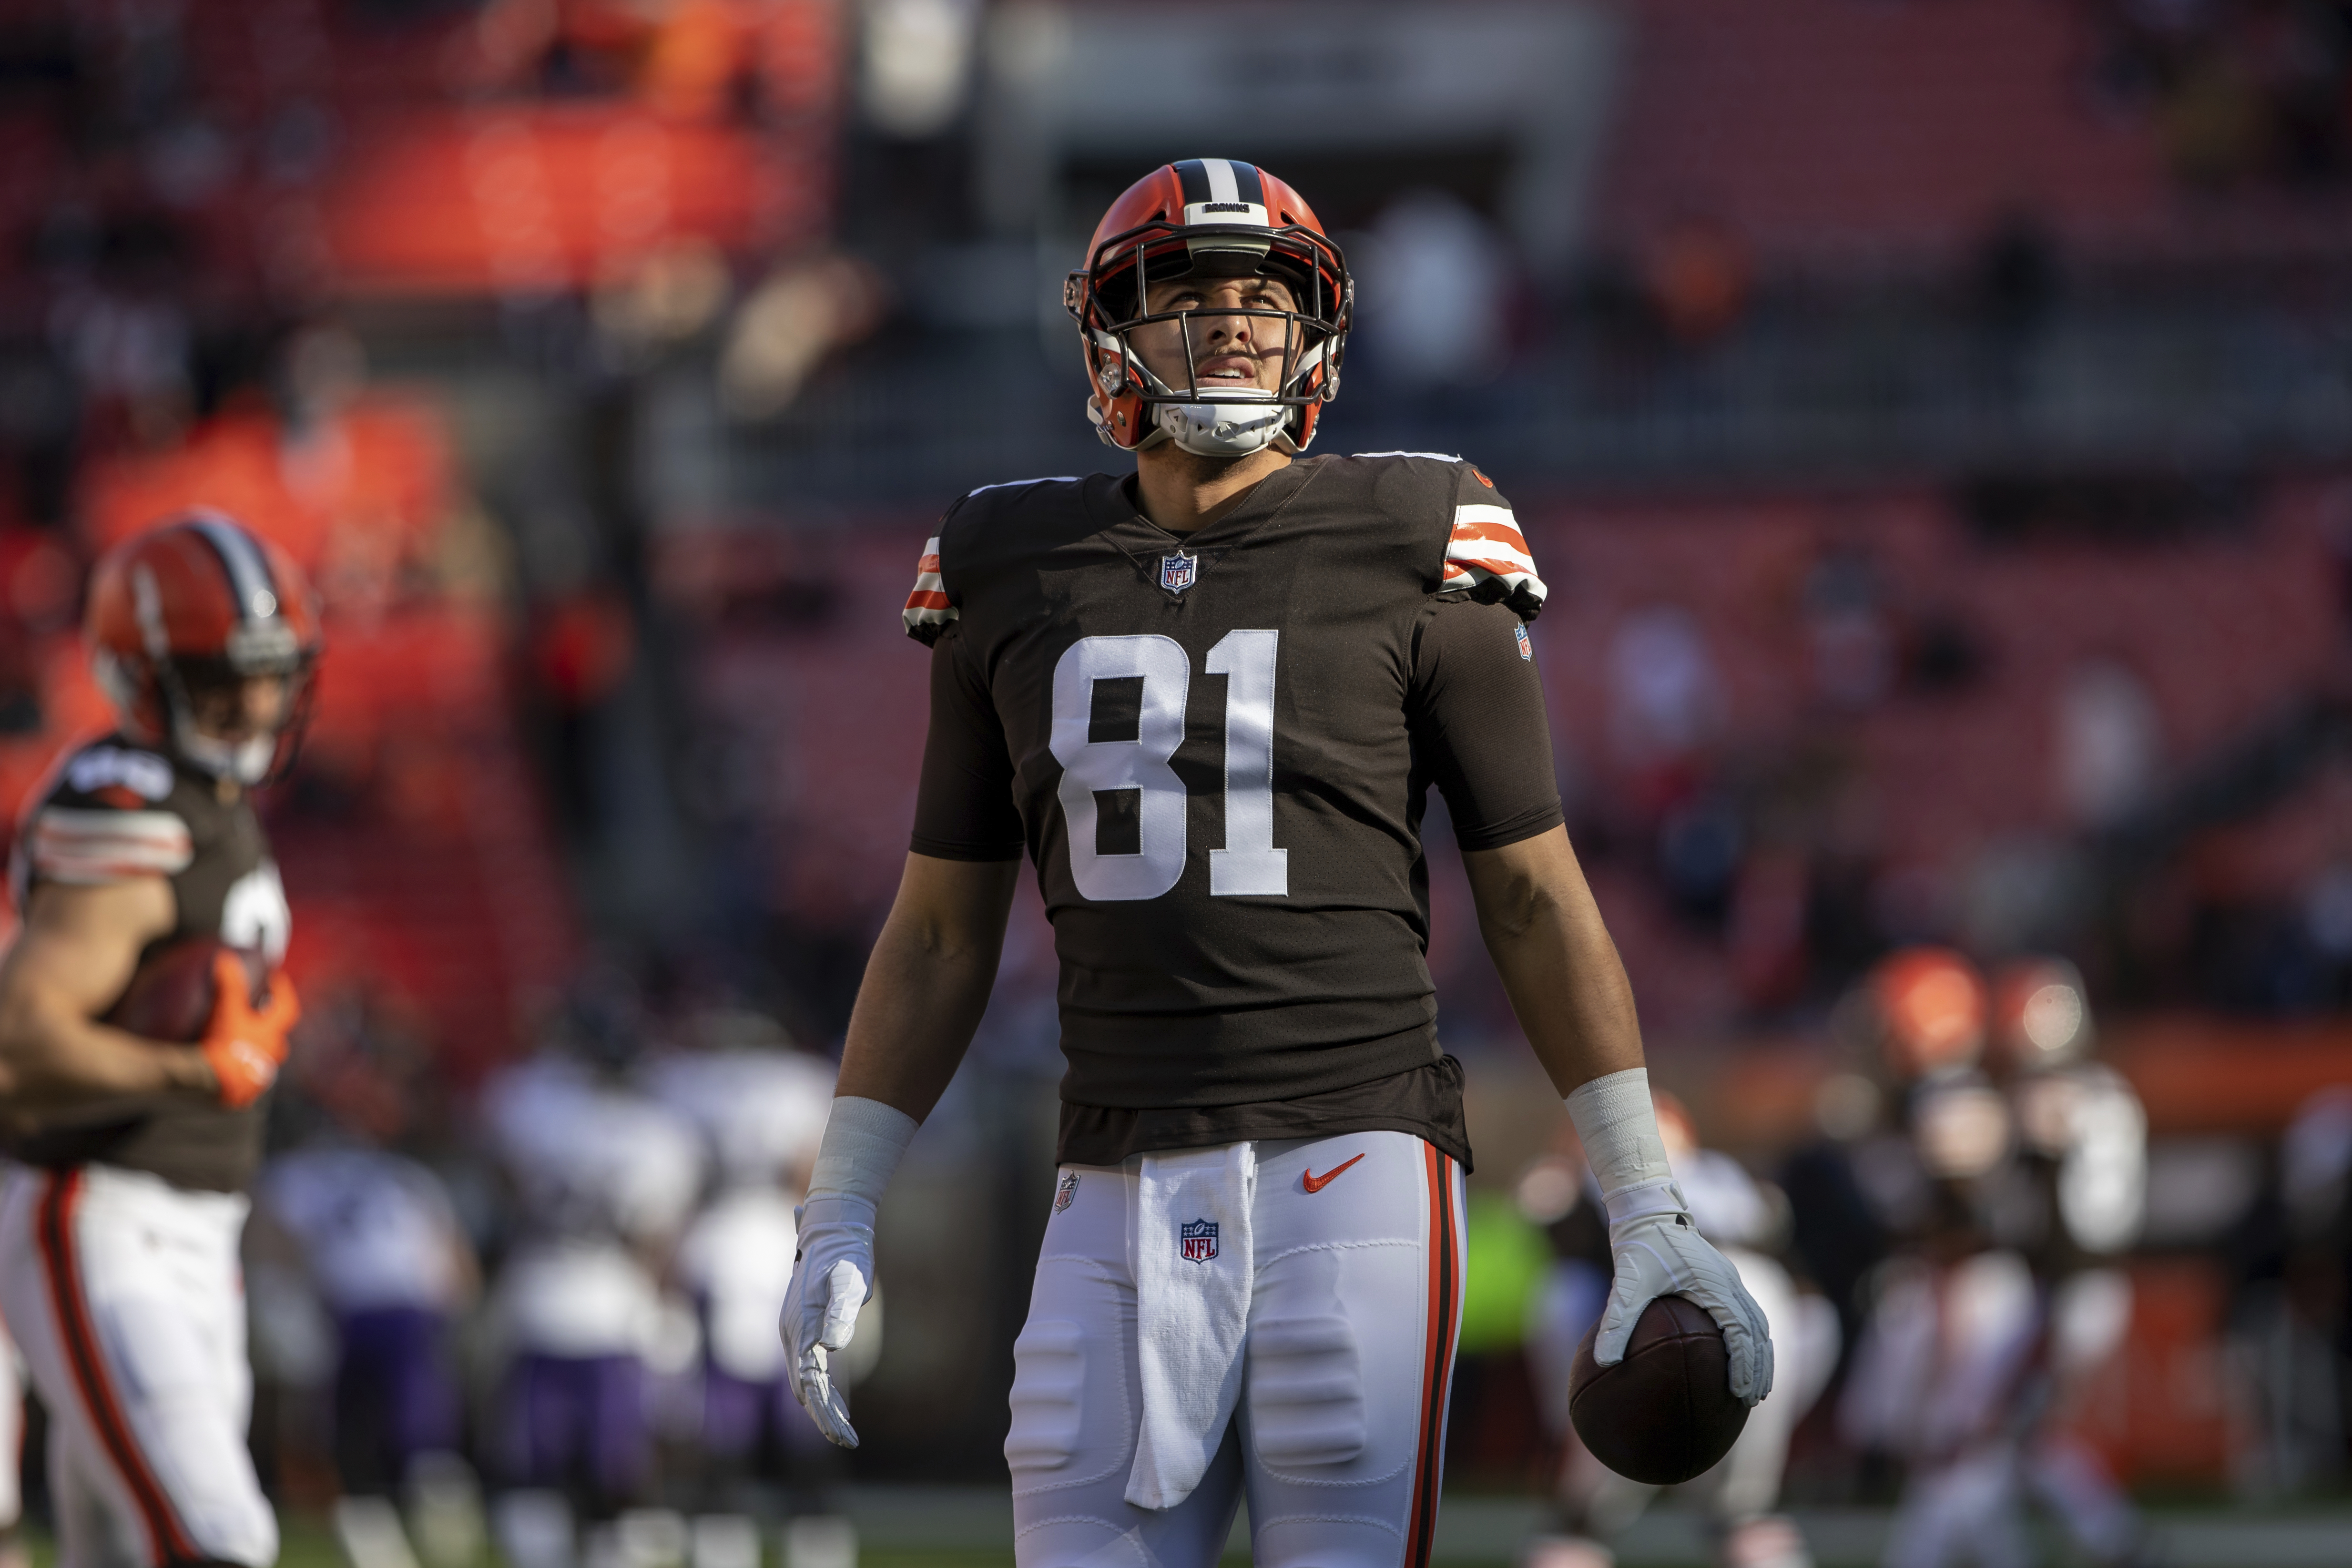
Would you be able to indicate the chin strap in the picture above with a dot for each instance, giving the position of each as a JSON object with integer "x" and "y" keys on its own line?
{"x": 1226, "y": 427}
{"x": 242, "y": 761}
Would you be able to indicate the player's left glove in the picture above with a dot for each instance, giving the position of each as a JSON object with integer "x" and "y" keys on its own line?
{"x": 245, "y": 1046}
{"x": 1658, "y": 1251}
{"x": 833, "y": 1276}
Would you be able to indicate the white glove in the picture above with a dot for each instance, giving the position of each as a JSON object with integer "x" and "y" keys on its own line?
{"x": 1658, "y": 1251}
{"x": 833, "y": 1276}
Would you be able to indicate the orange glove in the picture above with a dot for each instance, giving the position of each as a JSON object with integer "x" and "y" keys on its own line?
{"x": 245, "y": 1047}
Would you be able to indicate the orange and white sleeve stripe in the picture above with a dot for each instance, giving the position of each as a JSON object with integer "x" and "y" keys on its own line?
{"x": 92, "y": 848}
{"x": 928, "y": 610}
{"x": 1488, "y": 555}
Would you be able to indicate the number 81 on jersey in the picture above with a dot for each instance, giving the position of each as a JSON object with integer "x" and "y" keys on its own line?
{"x": 1249, "y": 863}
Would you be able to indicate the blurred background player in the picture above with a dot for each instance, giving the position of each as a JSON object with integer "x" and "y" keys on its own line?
{"x": 1747, "y": 1219}
{"x": 2004, "y": 1198}
{"x": 604, "y": 1178}
{"x": 2072, "y": 1201}
{"x": 119, "y": 1233}
{"x": 382, "y": 1248}
{"x": 760, "y": 1106}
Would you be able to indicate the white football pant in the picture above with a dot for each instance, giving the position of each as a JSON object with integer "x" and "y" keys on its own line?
{"x": 125, "y": 1295}
{"x": 1339, "y": 1431}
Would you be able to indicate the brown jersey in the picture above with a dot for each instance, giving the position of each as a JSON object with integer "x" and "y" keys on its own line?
{"x": 115, "y": 810}
{"x": 1216, "y": 749}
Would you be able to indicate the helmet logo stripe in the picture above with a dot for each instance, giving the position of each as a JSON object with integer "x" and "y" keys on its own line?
{"x": 1194, "y": 178}
{"x": 1252, "y": 189}
{"x": 248, "y": 573}
{"x": 1222, "y": 186}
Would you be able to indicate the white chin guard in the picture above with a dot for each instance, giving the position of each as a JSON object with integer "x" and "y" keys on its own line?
{"x": 241, "y": 762}
{"x": 1222, "y": 427}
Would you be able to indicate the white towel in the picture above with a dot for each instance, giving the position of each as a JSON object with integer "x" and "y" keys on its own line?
{"x": 1189, "y": 1253}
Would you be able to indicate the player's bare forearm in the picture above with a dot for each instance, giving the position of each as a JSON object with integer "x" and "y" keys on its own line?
{"x": 928, "y": 981}
{"x": 1560, "y": 969}
{"x": 75, "y": 956}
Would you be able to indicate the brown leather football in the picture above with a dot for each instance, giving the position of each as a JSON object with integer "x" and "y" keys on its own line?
{"x": 1665, "y": 1413}
{"x": 171, "y": 995}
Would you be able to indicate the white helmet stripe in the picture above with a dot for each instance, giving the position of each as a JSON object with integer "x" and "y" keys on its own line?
{"x": 249, "y": 580}
{"x": 1223, "y": 186}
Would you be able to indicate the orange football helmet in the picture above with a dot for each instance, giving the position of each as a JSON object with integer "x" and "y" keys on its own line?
{"x": 192, "y": 605}
{"x": 1931, "y": 1008}
{"x": 1212, "y": 218}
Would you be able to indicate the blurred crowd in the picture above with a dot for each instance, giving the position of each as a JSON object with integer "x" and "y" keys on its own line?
{"x": 544, "y": 1318}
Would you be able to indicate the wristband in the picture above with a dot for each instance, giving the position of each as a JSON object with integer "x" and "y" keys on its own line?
{"x": 1619, "y": 1129}
{"x": 864, "y": 1141}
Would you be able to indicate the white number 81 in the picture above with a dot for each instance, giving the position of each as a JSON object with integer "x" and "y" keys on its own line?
{"x": 1249, "y": 863}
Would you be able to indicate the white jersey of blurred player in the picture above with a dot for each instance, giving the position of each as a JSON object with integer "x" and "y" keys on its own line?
{"x": 377, "y": 1230}
{"x": 603, "y": 1174}
{"x": 1739, "y": 1217}
{"x": 1960, "y": 1366}
{"x": 762, "y": 1113}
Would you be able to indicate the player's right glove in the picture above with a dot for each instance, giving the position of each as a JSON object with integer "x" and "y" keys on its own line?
{"x": 245, "y": 1047}
{"x": 833, "y": 1276}
{"x": 1658, "y": 1251}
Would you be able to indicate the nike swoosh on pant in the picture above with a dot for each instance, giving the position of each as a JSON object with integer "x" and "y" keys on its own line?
{"x": 1315, "y": 1183}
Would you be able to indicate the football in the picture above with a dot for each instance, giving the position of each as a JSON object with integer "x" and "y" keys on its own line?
{"x": 171, "y": 995}
{"x": 1665, "y": 1413}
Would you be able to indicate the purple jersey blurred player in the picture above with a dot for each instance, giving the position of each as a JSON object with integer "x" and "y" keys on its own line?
{"x": 604, "y": 1177}
{"x": 394, "y": 1267}
{"x": 762, "y": 1113}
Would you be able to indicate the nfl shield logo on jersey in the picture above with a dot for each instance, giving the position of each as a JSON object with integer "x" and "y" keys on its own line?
{"x": 1199, "y": 1238}
{"x": 1176, "y": 574}
{"x": 1066, "y": 1191}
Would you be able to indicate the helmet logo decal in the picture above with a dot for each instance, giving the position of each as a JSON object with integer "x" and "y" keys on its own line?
{"x": 1178, "y": 571}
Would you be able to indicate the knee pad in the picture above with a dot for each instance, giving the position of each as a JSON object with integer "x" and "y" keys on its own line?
{"x": 1049, "y": 1376}
{"x": 1306, "y": 1392}
{"x": 1079, "y": 1541}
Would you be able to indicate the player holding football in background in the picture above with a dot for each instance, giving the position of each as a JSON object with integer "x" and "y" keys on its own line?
{"x": 1209, "y": 703}
{"x": 118, "y": 1232}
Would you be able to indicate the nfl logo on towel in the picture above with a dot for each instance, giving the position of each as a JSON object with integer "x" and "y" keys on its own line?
{"x": 1176, "y": 574}
{"x": 1199, "y": 1238}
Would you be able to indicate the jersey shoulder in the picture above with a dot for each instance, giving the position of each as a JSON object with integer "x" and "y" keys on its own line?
{"x": 1476, "y": 544}
{"x": 990, "y": 527}
{"x": 112, "y": 810}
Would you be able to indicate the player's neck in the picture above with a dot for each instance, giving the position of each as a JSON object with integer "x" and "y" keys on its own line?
{"x": 1181, "y": 490}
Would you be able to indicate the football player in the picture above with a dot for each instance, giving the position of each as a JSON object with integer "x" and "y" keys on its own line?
{"x": 760, "y": 1109}
{"x": 118, "y": 1232}
{"x": 604, "y": 1178}
{"x": 1208, "y": 702}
